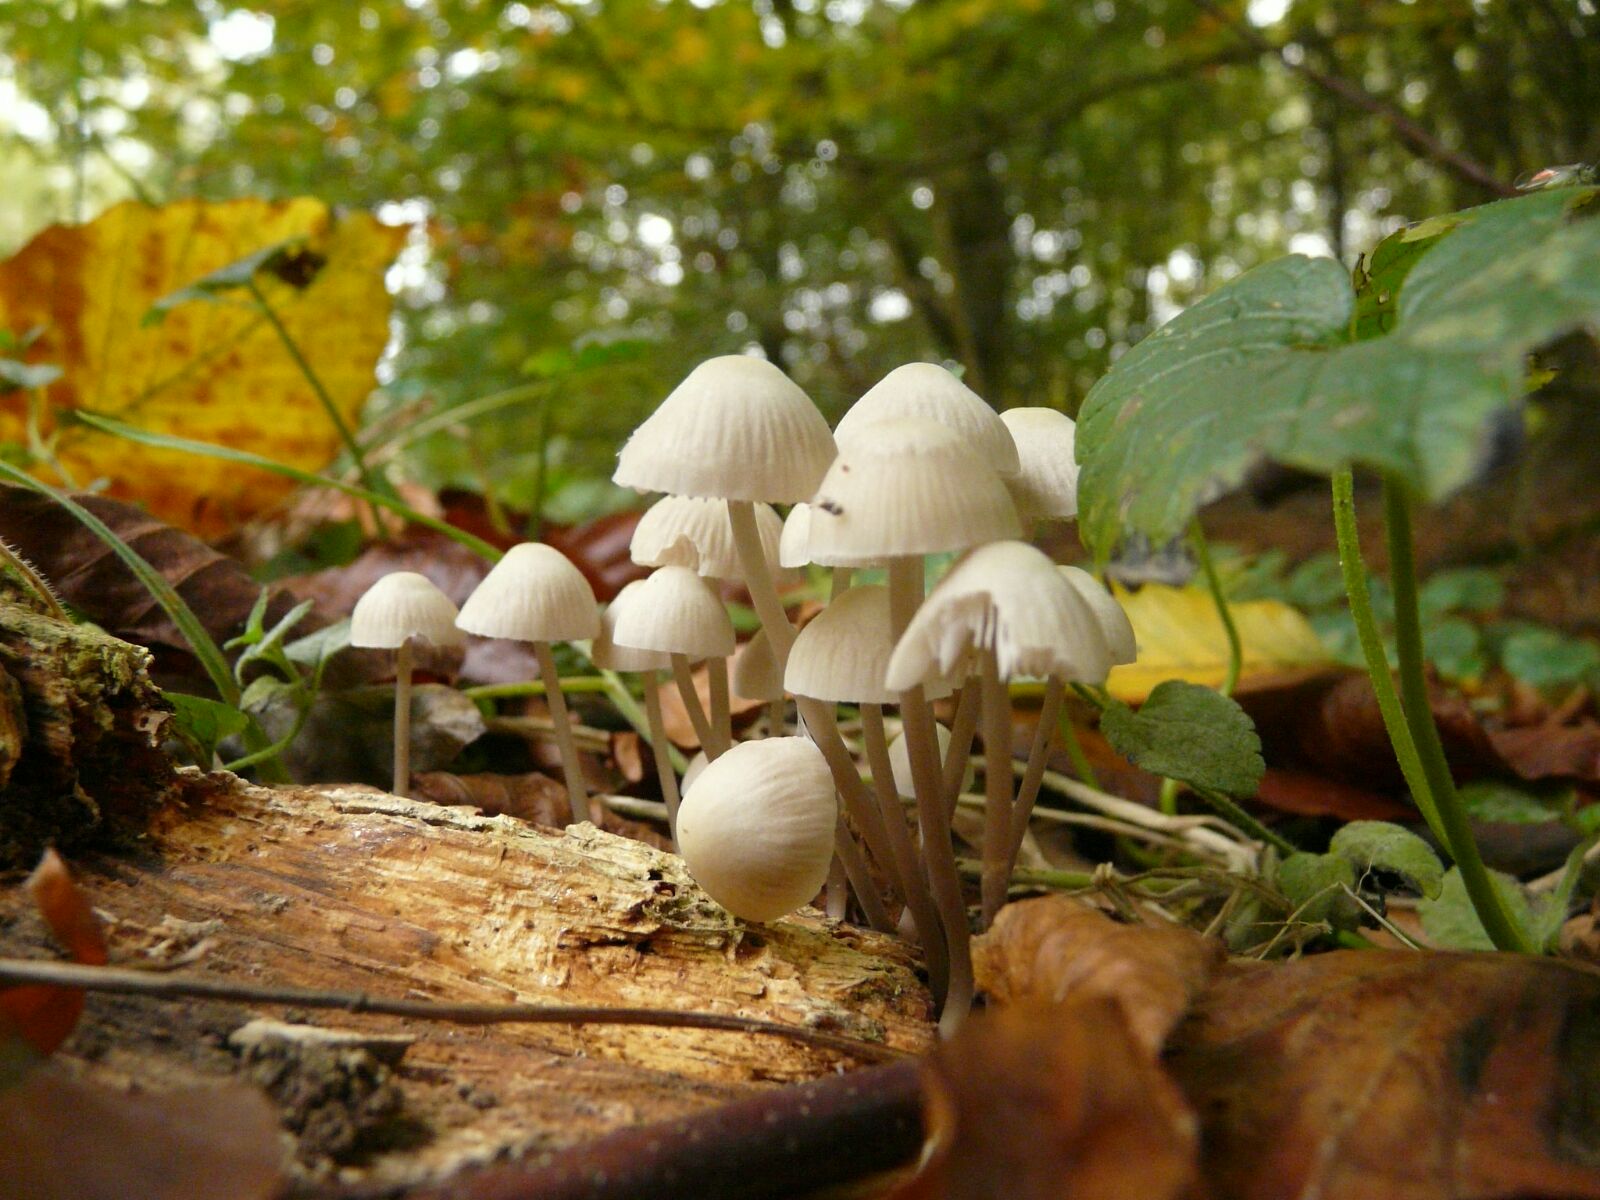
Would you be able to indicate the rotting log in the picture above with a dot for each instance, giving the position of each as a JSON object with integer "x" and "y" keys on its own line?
{"x": 352, "y": 889}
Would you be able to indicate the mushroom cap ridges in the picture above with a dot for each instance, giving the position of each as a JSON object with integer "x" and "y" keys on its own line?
{"x": 737, "y": 428}
{"x": 843, "y": 654}
{"x": 400, "y": 606}
{"x": 928, "y": 391}
{"x": 696, "y": 532}
{"x": 673, "y": 611}
{"x": 533, "y": 594}
{"x": 1046, "y": 486}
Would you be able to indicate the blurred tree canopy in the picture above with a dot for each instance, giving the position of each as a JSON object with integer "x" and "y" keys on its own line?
{"x": 1021, "y": 186}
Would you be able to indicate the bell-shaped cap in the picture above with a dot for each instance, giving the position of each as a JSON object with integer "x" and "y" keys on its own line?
{"x": 928, "y": 391}
{"x": 756, "y": 827}
{"x": 738, "y": 428}
{"x": 755, "y": 672}
{"x": 1007, "y": 597}
{"x": 400, "y": 606}
{"x": 794, "y": 543}
{"x": 674, "y": 611}
{"x": 1113, "y": 620}
{"x": 533, "y": 594}
{"x": 1046, "y": 487}
{"x": 842, "y": 655}
{"x": 907, "y": 487}
{"x": 604, "y": 651}
{"x": 695, "y": 532}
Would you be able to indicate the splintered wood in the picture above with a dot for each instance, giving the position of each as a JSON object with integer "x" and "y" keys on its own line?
{"x": 349, "y": 889}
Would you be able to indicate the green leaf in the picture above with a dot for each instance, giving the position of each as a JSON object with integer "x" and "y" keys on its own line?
{"x": 1467, "y": 589}
{"x": 202, "y": 724}
{"x": 1189, "y": 733}
{"x": 1505, "y": 803}
{"x": 1548, "y": 658}
{"x": 1315, "y": 884}
{"x": 1455, "y": 647}
{"x": 1450, "y": 921}
{"x": 1380, "y": 846}
{"x": 1257, "y": 369}
{"x": 1380, "y": 274}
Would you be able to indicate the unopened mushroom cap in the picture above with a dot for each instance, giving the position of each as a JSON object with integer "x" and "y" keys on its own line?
{"x": 900, "y": 762}
{"x": 675, "y": 612}
{"x": 755, "y": 672}
{"x": 400, "y": 606}
{"x": 533, "y": 594}
{"x": 1046, "y": 486}
{"x": 695, "y": 532}
{"x": 1113, "y": 620}
{"x": 756, "y": 827}
{"x": 928, "y": 391}
{"x": 794, "y": 544}
{"x": 906, "y": 487}
{"x": 606, "y": 654}
{"x": 737, "y": 427}
{"x": 1008, "y": 597}
{"x": 843, "y": 654}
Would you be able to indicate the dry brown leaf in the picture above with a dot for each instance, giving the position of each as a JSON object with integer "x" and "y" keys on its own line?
{"x": 675, "y": 718}
{"x": 1397, "y": 1074}
{"x": 44, "y": 1017}
{"x": 1055, "y": 949}
{"x": 1037, "y": 1102}
{"x": 215, "y": 372}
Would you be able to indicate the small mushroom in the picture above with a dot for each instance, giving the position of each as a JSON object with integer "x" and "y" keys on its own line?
{"x": 400, "y": 607}
{"x": 1046, "y": 486}
{"x": 756, "y": 828}
{"x": 755, "y": 677}
{"x": 606, "y": 654}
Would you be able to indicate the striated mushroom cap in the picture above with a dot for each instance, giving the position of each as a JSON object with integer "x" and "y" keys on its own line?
{"x": 605, "y": 653}
{"x": 674, "y": 612}
{"x": 695, "y": 532}
{"x": 929, "y": 392}
{"x": 1046, "y": 486}
{"x": 843, "y": 654}
{"x": 533, "y": 594}
{"x": 400, "y": 606}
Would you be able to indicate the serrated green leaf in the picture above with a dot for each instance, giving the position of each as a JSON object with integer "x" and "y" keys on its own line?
{"x": 1315, "y": 884}
{"x": 1451, "y": 922}
{"x": 1380, "y": 846}
{"x": 1189, "y": 733}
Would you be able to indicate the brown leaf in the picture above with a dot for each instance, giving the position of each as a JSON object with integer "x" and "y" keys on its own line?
{"x": 1316, "y": 796}
{"x": 1037, "y": 1102}
{"x": 66, "y": 1139}
{"x": 1551, "y": 751}
{"x": 1055, "y": 949}
{"x": 675, "y": 718}
{"x": 1397, "y": 1074}
{"x": 44, "y": 1017}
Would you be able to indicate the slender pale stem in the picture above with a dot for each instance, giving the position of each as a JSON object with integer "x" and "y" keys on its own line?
{"x": 658, "y": 750}
{"x": 913, "y": 884}
{"x": 823, "y": 729}
{"x": 758, "y": 578}
{"x": 775, "y": 721}
{"x": 683, "y": 676}
{"x": 848, "y": 855}
{"x": 839, "y": 580}
{"x": 962, "y": 727}
{"x": 996, "y": 786}
{"x": 402, "y": 719}
{"x": 1038, "y": 759}
{"x": 721, "y": 712}
{"x": 571, "y": 764}
{"x": 836, "y": 892}
{"x": 1486, "y": 899}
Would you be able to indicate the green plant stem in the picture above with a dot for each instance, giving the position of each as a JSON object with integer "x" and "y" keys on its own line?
{"x": 346, "y": 435}
{"x": 1075, "y": 751}
{"x": 1230, "y": 811}
{"x": 1452, "y": 814}
{"x": 577, "y": 685}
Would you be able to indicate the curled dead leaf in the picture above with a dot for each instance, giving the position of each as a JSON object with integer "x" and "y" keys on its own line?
{"x": 44, "y": 1017}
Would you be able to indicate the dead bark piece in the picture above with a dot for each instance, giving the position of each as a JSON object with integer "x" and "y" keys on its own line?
{"x": 1054, "y": 949}
{"x": 348, "y": 889}
{"x": 84, "y": 758}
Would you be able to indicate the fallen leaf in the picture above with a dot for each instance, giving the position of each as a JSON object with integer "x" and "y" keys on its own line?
{"x": 1180, "y": 636}
{"x": 213, "y": 368}
{"x": 1311, "y": 795}
{"x": 1551, "y": 751}
{"x": 1405, "y": 1075}
{"x": 41, "y": 1016}
{"x": 675, "y": 717}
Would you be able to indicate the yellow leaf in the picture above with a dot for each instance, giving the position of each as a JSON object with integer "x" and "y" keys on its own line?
{"x": 215, "y": 371}
{"x": 1180, "y": 636}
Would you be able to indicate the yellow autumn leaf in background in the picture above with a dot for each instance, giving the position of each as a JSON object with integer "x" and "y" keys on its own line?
{"x": 1180, "y": 636}
{"x": 212, "y": 369}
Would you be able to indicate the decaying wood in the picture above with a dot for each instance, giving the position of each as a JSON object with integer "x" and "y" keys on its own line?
{"x": 348, "y": 889}
{"x": 80, "y": 733}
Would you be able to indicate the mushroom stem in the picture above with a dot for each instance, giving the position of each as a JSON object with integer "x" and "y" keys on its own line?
{"x": 996, "y": 786}
{"x": 775, "y": 721}
{"x": 919, "y": 901}
{"x": 836, "y": 892}
{"x": 402, "y": 719}
{"x": 1055, "y": 690}
{"x": 758, "y": 578}
{"x": 703, "y": 729}
{"x": 839, "y": 581}
{"x": 658, "y": 751}
{"x": 848, "y": 855}
{"x": 824, "y": 731}
{"x": 962, "y": 727}
{"x": 721, "y": 715}
{"x": 571, "y": 764}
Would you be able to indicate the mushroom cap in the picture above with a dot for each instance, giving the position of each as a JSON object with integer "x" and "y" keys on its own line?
{"x": 1114, "y": 622}
{"x": 900, "y": 762}
{"x": 794, "y": 543}
{"x": 1046, "y": 487}
{"x": 695, "y": 532}
{"x": 1007, "y": 597}
{"x": 756, "y": 827}
{"x": 755, "y": 671}
{"x": 928, "y": 391}
{"x": 738, "y": 428}
{"x": 533, "y": 594}
{"x": 841, "y": 656}
{"x": 675, "y": 612}
{"x": 906, "y": 487}
{"x": 604, "y": 651}
{"x": 400, "y": 606}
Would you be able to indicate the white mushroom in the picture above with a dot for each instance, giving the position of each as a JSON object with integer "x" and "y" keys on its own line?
{"x": 1046, "y": 486}
{"x": 606, "y": 654}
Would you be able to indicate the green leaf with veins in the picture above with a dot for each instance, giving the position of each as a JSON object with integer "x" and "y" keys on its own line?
{"x": 1380, "y": 846}
{"x": 1189, "y": 733}
{"x": 201, "y": 724}
{"x": 1450, "y": 920}
{"x": 1264, "y": 368}
{"x": 1316, "y": 885}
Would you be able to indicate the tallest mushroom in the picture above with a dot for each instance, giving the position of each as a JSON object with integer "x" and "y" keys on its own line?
{"x": 736, "y": 429}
